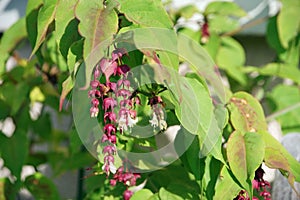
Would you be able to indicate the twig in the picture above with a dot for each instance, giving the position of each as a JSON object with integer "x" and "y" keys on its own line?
{"x": 283, "y": 111}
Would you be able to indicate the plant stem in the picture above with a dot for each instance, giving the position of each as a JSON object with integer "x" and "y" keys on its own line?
{"x": 283, "y": 111}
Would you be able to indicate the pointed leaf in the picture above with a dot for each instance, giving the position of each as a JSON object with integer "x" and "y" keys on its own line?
{"x": 288, "y": 28}
{"x": 147, "y": 13}
{"x": 246, "y": 113}
{"x": 9, "y": 41}
{"x": 45, "y": 18}
{"x": 276, "y": 156}
{"x": 224, "y": 8}
{"x": 245, "y": 154}
{"x": 226, "y": 187}
{"x": 142, "y": 194}
{"x": 97, "y": 24}
{"x": 64, "y": 14}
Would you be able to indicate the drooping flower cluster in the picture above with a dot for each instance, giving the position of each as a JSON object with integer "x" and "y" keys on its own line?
{"x": 158, "y": 115}
{"x": 260, "y": 185}
{"x": 119, "y": 114}
{"x": 127, "y": 178}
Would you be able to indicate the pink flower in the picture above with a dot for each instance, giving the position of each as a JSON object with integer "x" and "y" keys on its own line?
{"x": 94, "y": 111}
{"x": 108, "y": 67}
{"x": 124, "y": 93}
{"x": 127, "y": 194}
{"x": 94, "y": 93}
{"x": 94, "y": 84}
{"x": 121, "y": 70}
{"x": 109, "y": 128}
{"x": 111, "y": 138}
{"x": 124, "y": 82}
{"x": 109, "y": 149}
{"x": 109, "y": 102}
{"x": 95, "y": 102}
{"x": 110, "y": 116}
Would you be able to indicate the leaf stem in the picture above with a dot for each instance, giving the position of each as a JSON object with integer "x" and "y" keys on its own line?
{"x": 282, "y": 111}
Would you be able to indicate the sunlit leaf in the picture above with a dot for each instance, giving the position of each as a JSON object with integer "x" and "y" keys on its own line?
{"x": 288, "y": 28}
{"x": 142, "y": 194}
{"x": 165, "y": 195}
{"x": 231, "y": 58}
{"x": 245, "y": 154}
{"x": 276, "y": 156}
{"x": 147, "y": 13}
{"x": 45, "y": 18}
{"x": 285, "y": 96}
{"x": 224, "y": 8}
{"x": 9, "y": 41}
{"x": 226, "y": 187}
{"x": 246, "y": 113}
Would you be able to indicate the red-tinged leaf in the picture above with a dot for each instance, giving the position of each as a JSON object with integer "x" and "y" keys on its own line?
{"x": 45, "y": 18}
{"x": 246, "y": 113}
{"x": 276, "y": 156}
{"x": 245, "y": 152}
{"x": 67, "y": 86}
{"x": 97, "y": 24}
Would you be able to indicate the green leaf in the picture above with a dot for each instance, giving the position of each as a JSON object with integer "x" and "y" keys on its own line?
{"x": 63, "y": 18}
{"x": 276, "y": 156}
{"x": 15, "y": 95}
{"x": 41, "y": 187}
{"x": 187, "y": 11}
{"x": 224, "y": 8}
{"x": 166, "y": 195}
{"x": 5, "y": 109}
{"x": 230, "y": 48}
{"x": 142, "y": 194}
{"x": 288, "y": 28}
{"x": 14, "y": 151}
{"x": 68, "y": 38}
{"x": 147, "y": 13}
{"x": 273, "y": 35}
{"x": 220, "y": 24}
{"x": 246, "y": 113}
{"x": 284, "y": 96}
{"x": 278, "y": 69}
{"x": 9, "y": 41}
{"x": 75, "y": 54}
{"x": 45, "y": 18}
{"x": 245, "y": 155}
{"x": 226, "y": 187}
{"x": 194, "y": 116}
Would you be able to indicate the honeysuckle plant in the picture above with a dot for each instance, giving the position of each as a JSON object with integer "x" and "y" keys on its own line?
{"x": 144, "y": 127}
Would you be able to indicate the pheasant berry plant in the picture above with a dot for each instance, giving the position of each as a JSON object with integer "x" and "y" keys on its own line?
{"x": 114, "y": 99}
{"x": 208, "y": 140}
